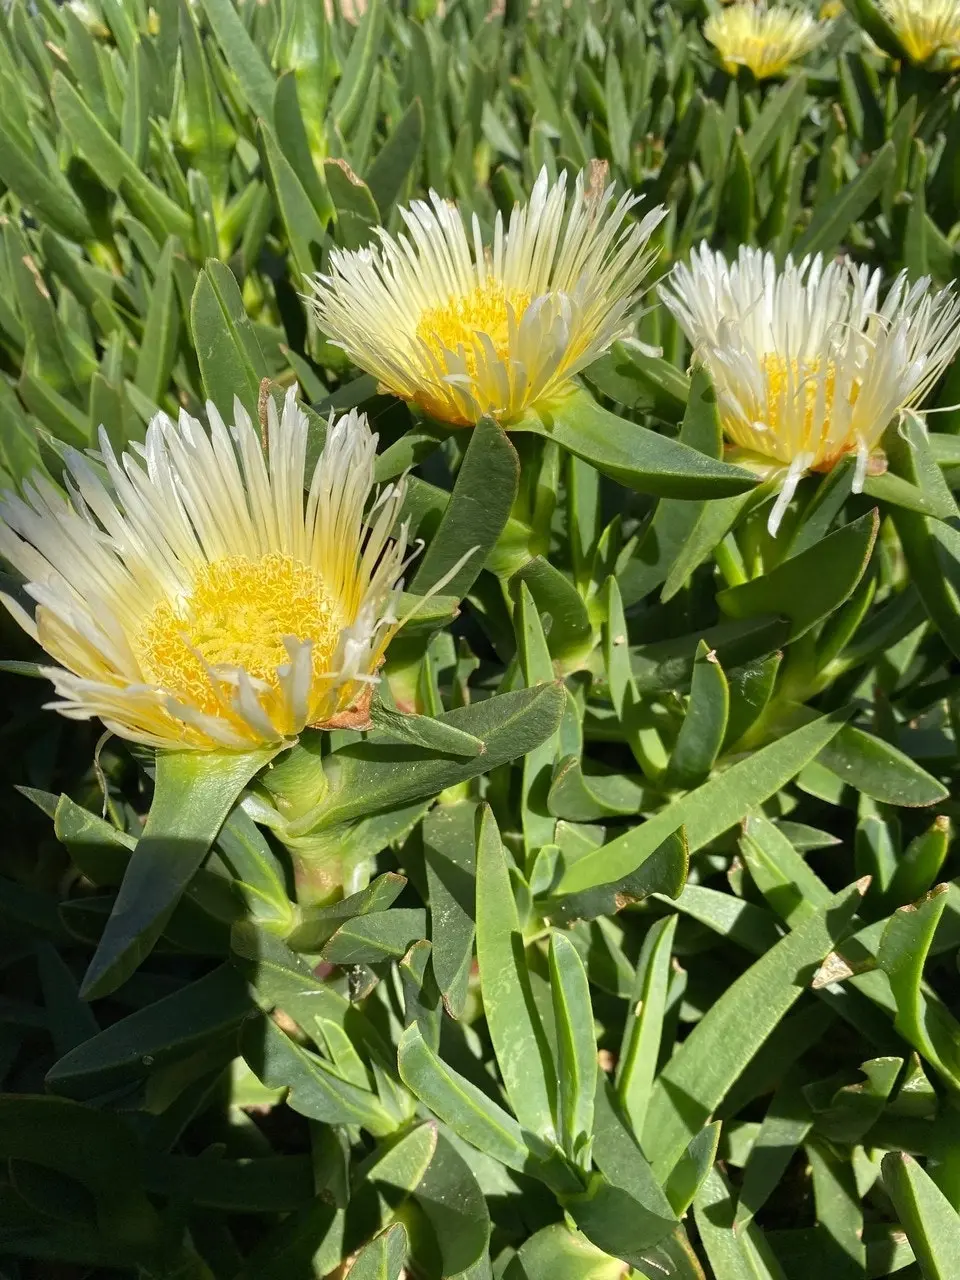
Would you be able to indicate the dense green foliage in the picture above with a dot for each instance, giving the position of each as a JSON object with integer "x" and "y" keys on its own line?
{"x": 648, "y": 954}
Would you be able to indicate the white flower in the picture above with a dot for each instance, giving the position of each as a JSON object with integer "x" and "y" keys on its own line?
{"x": 198, "y": 598}
{"x": 925, "y": 28}
{"x": 748, "y": 34}
{"x": 461, "y": 329}
{"x": 808, "y": 364}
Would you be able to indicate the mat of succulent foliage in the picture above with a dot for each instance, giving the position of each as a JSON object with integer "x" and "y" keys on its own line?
{"x": 482, "y": 572}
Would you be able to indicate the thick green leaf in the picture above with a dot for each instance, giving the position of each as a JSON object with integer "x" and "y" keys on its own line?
{"x": 687, "y": 1175}
{"x": 663, "y": 871}
{"x": 354, "y": 83}
{"x": 932, "y": 552}
{"x": 519, "y": 1042}
{"x": 204, "y": 1013}
{"x": 615, "y": 1221}
{"x": 781, "y": 875}
{"x": 704, "y": 726}
{"x": 710, "y": 810}
{"x": 425, "y": 731}
{"x": 228, "y": 351}
{"x": 557, "y": 1253}
{"x": 633, "y": 455}
{"x": 395, "y": 160}
{"x": 735, "y": 1251}
{"x": 476, "y": 514}
{"x": 205, "y": 129}
{"x": 451, "y": 1199}
{"x": 380, "y": 935}
{"x": 920, "y": 863}
{"x": 642, "y": 1032}
{"x": 315, "y": 1088}
{"x": 161, "y": 331}
{"x": 252, "y": 75}
{"x": 383, "y": 1257}
{"x": 581, "y": 797}
{"x": 668, "y": 664}
{"x": 282, "y": 979}
{"x": 195, "y": 791}
{"x": 619, "y": 124}
{"x": 380, "y": 774}
{"x": 536, "y": 669}
{"x": 931, "y": 1222}
{"x": 357, "y": 213}
{"x": 472, "y": 1115}
{"x": 751, "y": 688}
{"x": 71, "y": 1021}
{"x": 317, "y": 924}
{"x": 449, "y": 843}
{"x": 397, "y": 1167}
{"x": 777, "y": 114}
{"x": 811, "y": 585}
{"x": 922, "y": 1018}
{"x": 832, "y": 222}
{"x": 576, "y": 1044}
{"x": 294, "y": 133}
{"x": 115, "y": 167}
{"x": 568, "y": 630}
{"x": 42, "y": 190}
{"x": 617, "y": 1154}
{"x": 734, "y": 1028}
{"x": 243, "y": 850}
{"x": 880, "y": 770}
{"x": 785, "y": 1125}
{"x": 306, "y": 232}
{"x": 675, "y": 520}
{"x": 641, "y": 382}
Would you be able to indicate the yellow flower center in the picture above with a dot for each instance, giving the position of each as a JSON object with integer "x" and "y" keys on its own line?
{"x": 762, "y": 56}
{"x": 237, "y": 615}
{"x": 487, "y": 309}
{"x": 793, "y": 382}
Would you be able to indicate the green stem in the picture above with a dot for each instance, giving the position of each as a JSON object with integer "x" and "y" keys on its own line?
{"x": 728, "y": 564}
{"x": 325, "y": 868}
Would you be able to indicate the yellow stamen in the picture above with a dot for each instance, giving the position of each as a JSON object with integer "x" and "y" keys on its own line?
{"x": 796, "y": 382}
{"x": 487, "y": 309}
{"x": 236, "y": 616}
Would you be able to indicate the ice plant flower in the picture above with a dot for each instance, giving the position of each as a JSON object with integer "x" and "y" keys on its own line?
{"x": 195, "y": 596}
{"x": 926, "y": 28}
{"x": 808, "y": 364}
{"x": 765, "y": 40}
{"x": 461, "y": 329}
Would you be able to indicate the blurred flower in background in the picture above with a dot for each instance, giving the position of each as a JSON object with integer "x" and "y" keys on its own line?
{"x": 766, "y": 41}
{"x": 808, "y": 364}
{"x": 461, "y": 329}
{"x": 926, "y": 29}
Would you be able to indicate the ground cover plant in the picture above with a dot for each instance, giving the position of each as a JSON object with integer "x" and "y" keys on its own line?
{"x": 495, "y": 813}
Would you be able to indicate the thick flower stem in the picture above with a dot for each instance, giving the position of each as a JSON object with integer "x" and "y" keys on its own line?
{"x": 319, "y": 871}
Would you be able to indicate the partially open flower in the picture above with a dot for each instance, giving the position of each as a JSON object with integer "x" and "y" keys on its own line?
{"x": 197, "y": 597}
{"x": 460, "y": 329}
{"x": 808, "y": 365}
{"x": 765, "y": 40}
{"x": 926, "y": 29}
